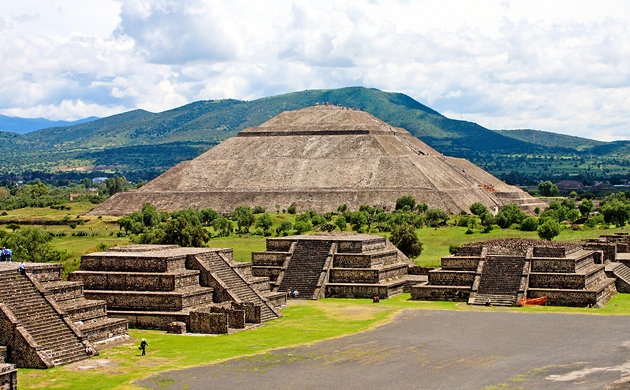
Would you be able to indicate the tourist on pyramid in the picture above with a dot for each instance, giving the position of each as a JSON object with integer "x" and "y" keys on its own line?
{"x": 7, "y": 254}
{"x": 21, "y": 269}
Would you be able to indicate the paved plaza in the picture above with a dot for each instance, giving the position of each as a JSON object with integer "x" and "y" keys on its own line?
{"x": 426, "y": 349}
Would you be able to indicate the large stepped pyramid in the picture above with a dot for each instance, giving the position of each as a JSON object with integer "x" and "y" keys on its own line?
{"x": 333, "y": 265}
{"x": 318, "y": 158}
{"x": 506, "y": 272}
{"x": 36, "y": 330}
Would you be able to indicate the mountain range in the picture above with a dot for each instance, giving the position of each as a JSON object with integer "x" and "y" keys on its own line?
{"x": 26, "y": 125}
{"x": 142, "y": 144}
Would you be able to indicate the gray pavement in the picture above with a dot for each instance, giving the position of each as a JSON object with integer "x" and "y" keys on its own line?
{"x": 425, "y": 349}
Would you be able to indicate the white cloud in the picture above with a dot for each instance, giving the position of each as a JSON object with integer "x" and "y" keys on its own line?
{"x": 553, "y": 65}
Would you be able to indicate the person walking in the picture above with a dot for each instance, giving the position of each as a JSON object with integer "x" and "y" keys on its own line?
{"x": 143, "y": 346}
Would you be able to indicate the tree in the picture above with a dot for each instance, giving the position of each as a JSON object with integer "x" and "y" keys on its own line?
{"x": 529, "y": 224}
{"x": 114, "y": 185}
{"x": 548, "y": 229}
{"x": 509, "y": 215}
{"x": 283, "y": 228}
{"x": 436, "y": 217}
{"x": 547, "y": 188}
{"x": 185, "y": 230}
{"x": 38, "y": 190}
{"x": 33, "y": 245}
{"x": 478, "y": 208}
{"x": 208, "y": 216}
{"x": 341, "y": 223}
{"x": 302, "y": 227}
{"x": 222, "y": 226}
{"x": 244, "y": 217}
{"x": 150, "y": 216}
{"x": 264, "y": 222}
{"x": 357, "y": 220}
{"x": 405, "y": 201}
{"x": 586, "y": 207}
{"x": 406, "y": 239}
{"x": 616, "y": 212}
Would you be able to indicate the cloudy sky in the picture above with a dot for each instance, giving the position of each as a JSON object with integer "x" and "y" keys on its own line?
{"x": 562, "y": 66}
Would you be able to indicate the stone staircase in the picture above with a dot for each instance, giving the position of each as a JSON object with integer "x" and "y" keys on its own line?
{"x": 238, "y": 287}
{"x": 305, "y": 267}
{"x": 55, "y": 339}
{"x": 622, "y": 274}
{"x": 89, "y": 315}
{"x": 500, "y": 281}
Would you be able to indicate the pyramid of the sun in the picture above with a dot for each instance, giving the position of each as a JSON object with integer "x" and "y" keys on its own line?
{"x": 318, "y": 158}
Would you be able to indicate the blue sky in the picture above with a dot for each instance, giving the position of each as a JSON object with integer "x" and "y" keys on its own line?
{"x": 561, "y": 66}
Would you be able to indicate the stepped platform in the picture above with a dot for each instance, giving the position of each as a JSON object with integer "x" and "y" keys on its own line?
{"x": 152, "y": 286}
{"x": 37, "y": 332}
{"x": 503, "y": 272}
{"x": 333, "y": 265}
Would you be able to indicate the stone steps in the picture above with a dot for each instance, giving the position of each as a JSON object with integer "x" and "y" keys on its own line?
{"x": 495, "y": 299}
{"x": 237, "y": 284}
{"x": 52, "y": 334}
{"x": 305, "y": 267}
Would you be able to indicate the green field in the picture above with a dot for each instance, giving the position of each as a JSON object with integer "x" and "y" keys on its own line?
{"x": 303, "y": 322}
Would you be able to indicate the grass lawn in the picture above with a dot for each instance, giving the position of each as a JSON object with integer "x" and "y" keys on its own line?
{"x": 303, "y": 322}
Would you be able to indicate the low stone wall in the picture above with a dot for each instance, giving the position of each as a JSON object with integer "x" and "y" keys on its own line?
{"x": 44, "y": 272}
{"x": 154, "y": 301}
{"x": 553, "y": 265}
{"x": 268, "y": 272}
{"x": 235, "y": 317}
{"x": 440, "y": 293}
{"x": 463, "y": 263}
{"x": 130, "y": 263}
{"x": 209, "y": 323}
{"x": 557, "y": 280}
{"x": 354, "y": 260}
{"x": 278, "y": 244}
{"x": 375, "y": 275}
{"x": 418, "y": 270}
{"x": 149, "y": 320}
{"x": 252, "y": 311}
{"x": 146, "y": 281}
{"x": 8, "y": 377}
{"x": 105, "y": 330}
{"x": 609, "y": 249}
{"x": 3, "y": 354}
{"x": 268, "y": 258}
{"x": 362, "y": 291}
{"x": 64, "y": 291}
{"x": 440, "y": 277}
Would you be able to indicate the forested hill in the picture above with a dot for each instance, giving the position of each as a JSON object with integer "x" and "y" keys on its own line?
{"x": 142, "y": 143}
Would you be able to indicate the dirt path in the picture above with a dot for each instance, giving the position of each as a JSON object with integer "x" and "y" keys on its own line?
{"x": 424, "y": 349}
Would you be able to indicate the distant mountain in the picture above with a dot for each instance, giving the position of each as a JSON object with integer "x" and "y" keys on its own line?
{"x": 142, "y": 144}
{"x": 26, "y": 125}
{"x": 547, "y": 138}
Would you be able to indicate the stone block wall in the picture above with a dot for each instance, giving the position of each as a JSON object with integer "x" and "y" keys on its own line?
{"x": 557, "y": 280}
{"x": 441, "y": 277}
{"x": 235, "y": 317}
{"x": 464, "y": 263}
{"x": 609, "y": 249}
{"x": 278, "y": 244}
{"x": 23, "y": 348}
{"x": 154, "y": 301}
{"x": 8, "y": 377}
{"x": 440, "y": 293}
{"x": 205, "y": 322}
{"x": 45, "y": 272}
{"x": 126, "y": 263}
{"x": 362, "y": 291}
{"x": 146, "y": 281}
{"x": 268, "y": 258}
{"x": 252, "y": 311}
{"x": 418, "y": 270}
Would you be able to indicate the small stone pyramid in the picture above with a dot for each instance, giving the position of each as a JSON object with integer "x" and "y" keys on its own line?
{"x": 318, "y": 158}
